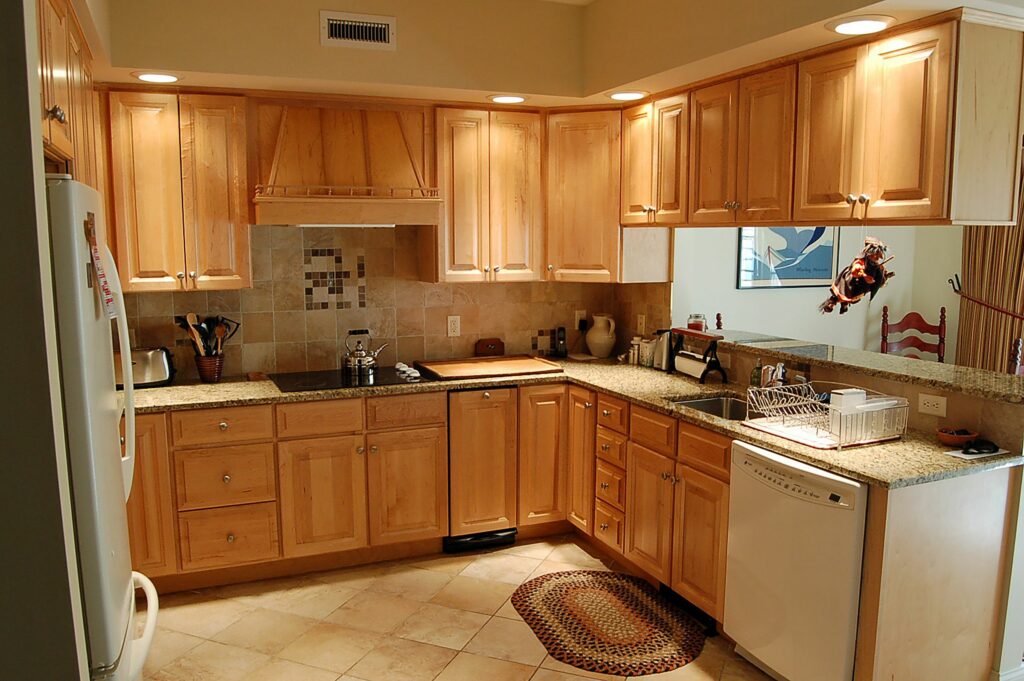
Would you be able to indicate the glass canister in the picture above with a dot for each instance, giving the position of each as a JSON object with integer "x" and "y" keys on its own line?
{"x": 697, "y": 322}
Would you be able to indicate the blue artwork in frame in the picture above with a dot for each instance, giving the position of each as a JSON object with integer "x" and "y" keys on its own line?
{"x": 787, "y": 257}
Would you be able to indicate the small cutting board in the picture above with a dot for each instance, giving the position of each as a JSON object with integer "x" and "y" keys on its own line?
{"x": 487, "y": 367}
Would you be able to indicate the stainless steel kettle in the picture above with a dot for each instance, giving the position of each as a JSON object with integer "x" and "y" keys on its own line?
{"x": 663, "y": 350}
{"x": 360, "y": 359}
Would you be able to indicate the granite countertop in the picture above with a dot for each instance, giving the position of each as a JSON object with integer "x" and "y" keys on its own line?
{"x": 916, "y": 459}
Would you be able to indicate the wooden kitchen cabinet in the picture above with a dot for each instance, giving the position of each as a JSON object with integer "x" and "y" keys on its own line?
{"x": 713, "y": 125}
{"x": 764, "y": 148}
{"x": 55, "y": 21}
{"x": 150, "y": 508}
{"x": 650, "y": 484}
{"x": 581, "y": 432}
{"x": 83, "y": 121}
{"x": 637, "y": 186}
{"x": 700, "y": 539}
{"x": 654, "y": 162}
{"x": 583, "y": 157}
{"x": 463, "y": 178}
{"x": 483, "y": 460}
{"x": 407, "y": 485}
{"x": 516, "y": 204}
{"x": 543, "y": 453}
{"x": 323, "y": 495}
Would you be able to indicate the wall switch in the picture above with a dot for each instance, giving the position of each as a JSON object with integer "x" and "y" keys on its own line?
{"x": 454, "y": 326}
{"x": 641, "y": 324}
{"x": 931, "y": 404}
{"x": 580, "y": 315}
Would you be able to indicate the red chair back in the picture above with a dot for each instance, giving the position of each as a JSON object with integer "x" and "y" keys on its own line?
{"x": 912, "y": 321}
{"x": 1017, "y": 357}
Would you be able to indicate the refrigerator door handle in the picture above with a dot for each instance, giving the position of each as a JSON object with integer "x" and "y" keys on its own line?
{"x": 123, "y": 339}
{"x": 140, "y": 646}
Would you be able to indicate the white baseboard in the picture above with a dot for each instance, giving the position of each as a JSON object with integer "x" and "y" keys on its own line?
{"x": 1012, "y": 675}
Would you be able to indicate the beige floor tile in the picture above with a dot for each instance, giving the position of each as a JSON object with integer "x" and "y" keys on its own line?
{"x": 470, "y": 593}
{"x": 536, "y": 549}
{"x": 507, "y": 640}
{"x": 330, "y": 646}
{"x": 554, "y": 665}
{"x": 741, "y": 670}
{"x": 353, "y": 578}
{"x": 502, "y": 568}
{"x": 168, "y": 646}
{"x": 451, "y": 565}
{"x": 508, "y": 611}
{"x": 549, "y": 566}
{"x": 469, "y": 667}
{"x": 690, "y": 672}
{"x": 199, "y": 614}
{"x": 410, "y": 582}
{"x": 576, "y": 554}
{"x": 400, "y": 660}
{"x": 441, "y": 626}
{"x": 369, "y": 611}
{"x": 210, "y": 661}
{"x": 265, "y": 631}
{"x": 305, "y": 597}
{"x": 284, "y": 670}
{"x": 551, "y": 675}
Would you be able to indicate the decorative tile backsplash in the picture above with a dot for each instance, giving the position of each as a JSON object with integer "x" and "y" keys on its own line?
{"x": 329, "y": 284}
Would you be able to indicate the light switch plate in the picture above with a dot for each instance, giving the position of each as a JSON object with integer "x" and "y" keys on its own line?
{"x": 454, "y": 326}
{"x": 641, "y": 324}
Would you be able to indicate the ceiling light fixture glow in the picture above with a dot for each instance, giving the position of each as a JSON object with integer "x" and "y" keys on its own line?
{"x": 507, "y": 99}
{"x": 862, "y": 24}
{"x": 147, "y": 77}
{"x": 628, "y": 96}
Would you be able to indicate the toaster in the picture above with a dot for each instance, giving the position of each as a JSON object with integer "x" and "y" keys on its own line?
{"x": 151, "y": 367}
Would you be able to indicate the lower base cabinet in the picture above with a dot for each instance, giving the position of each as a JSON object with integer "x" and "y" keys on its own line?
{"x": 609, "y": 526}
{"x": 150, "y": 508}
{"x": 233, "y": 535}
{"x": 700, "y": 539}
{"x": 581, "y": 433}
{"x": 407, "y": 484}
{"x": 650, "y": 484}
{"x": 543, "y": 453}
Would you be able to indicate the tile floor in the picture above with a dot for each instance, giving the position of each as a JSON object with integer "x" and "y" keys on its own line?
{"x": 446, "y": 618}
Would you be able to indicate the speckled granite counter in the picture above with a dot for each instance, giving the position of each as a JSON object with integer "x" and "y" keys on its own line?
{"x": 916, "y": 459}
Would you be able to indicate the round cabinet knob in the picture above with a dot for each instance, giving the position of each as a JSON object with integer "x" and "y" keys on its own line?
{"x": 487, "y": 269}
{"x": 193, "y": 275}
{"x": 226, "y": 479}
{"x": 550, "y": 267}
{"x": 374, "y": 449}
{"x": 851, "y": 199}
{"x": 360, "y": 449}
{"x": 664, "y": 475}
{"x": 606, "y": 447}
{"x": 497, "y": 268}
{"x": 223, "y": 425}
{"x": 180, "y": 275}
{"x": 57, "y": 114}
{"x": 487, "y": 396}
{"x": 864, "y": 198}
{"x": 606, "y": 412}
{"x": 588, "y": 405}
{"x": 605, "y": 485}
{"x": 604, "y": 526}
{"x": 231, "y": 538}
{"x": 122, "y": 439}
{"x": 737, "y": 205}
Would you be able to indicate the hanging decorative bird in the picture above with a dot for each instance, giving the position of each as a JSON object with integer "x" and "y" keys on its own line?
{"x": 863, "y": 277}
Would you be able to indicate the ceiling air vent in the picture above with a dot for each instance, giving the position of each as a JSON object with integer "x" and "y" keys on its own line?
{"x": 368, "y": 31}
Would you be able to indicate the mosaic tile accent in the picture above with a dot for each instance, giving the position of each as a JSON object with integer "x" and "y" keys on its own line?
{"x": 326, "y": 277}
{"x": 544, "y": 342}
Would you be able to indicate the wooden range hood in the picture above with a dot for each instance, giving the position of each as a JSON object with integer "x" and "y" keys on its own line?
{"x": 344, "y": 164}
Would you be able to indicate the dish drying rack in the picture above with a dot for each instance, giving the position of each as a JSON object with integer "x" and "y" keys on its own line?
{"x": 797, "y": 412}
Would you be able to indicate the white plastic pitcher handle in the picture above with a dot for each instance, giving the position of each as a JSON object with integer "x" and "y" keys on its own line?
{"x": 128, "y": 460}
{"x": 140, "y": 646}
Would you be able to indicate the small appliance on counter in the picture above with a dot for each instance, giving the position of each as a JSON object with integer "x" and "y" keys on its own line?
{"x": 699, "y": 366}
{"x": 151, "y": 368}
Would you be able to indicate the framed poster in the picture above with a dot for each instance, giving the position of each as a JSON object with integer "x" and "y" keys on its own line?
{"x": 787, "y": 257}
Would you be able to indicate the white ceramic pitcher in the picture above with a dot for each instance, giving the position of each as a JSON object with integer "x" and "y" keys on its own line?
{"x": 601, "y": 336}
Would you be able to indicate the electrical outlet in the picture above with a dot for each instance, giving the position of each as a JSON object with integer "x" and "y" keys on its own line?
{"x": 931, "y": 404}
{"x": 641, "y": 324}
{"x": 580, "y": 314}
{"x": 454, "y": 326}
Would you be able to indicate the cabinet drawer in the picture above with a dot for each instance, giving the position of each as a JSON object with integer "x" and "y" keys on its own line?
{"x": 613, "y": 413}
{"x": 705, "y": 450}
{"x": 220, "y": 537}
{"x": 610, "y": 485}
{"x": 611, "y": 446}
{"x": 405, "y": 411}
{"x": 609, "y": 526}
{"x": 217, "y": 426}
{"x": 652, "y": 430}
{"x": 225, "y": 476}
{"x": 325, "y": 417}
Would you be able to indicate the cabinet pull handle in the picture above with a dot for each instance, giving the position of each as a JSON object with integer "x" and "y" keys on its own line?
{"x": 851, "y": 199}
{"x": 487, "y": 396}
{"x": 223, "y": 425}
{"x": 57, "y": 114}
{"x": 588, "y": 405}
{"x": 606, "y": 412}
{"x": 605, "y": 485}
{"x": 604, "y": 526}
{"x": 180, "y": 276}
{"x": 497, "y": 268}
{"x": 360, "y": 449}
{"x": 226, "y": 479}
{"x": 122, "y": 439}
{"x": 487, "y": 269}
{"x": 675, "y": 480}
{"x": 606, "y": 447}
{"x": 193, "y": 275}
{"x": 231, "y": 537}
{"x": 374, "y": 449}
{"x": 737, "y": 205}
{"x": 864, "y": 199}
{"x": 550, "y": 267}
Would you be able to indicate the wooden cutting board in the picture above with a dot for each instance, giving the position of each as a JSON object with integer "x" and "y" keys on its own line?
{"x": 487, "y": 367}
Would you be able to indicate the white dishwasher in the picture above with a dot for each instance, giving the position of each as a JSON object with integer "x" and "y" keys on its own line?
{"x": 792, "y": 586}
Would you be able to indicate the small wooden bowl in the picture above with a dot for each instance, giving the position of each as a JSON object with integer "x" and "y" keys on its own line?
{"x": 951, "y": 440}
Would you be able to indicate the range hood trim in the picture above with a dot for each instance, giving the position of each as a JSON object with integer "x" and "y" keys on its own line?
{"x": 353, "y": 212}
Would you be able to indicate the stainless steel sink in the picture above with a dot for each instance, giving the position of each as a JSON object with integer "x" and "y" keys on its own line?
{"x": 730, "y": 408}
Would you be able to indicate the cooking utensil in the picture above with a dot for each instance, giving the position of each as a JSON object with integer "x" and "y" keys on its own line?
{"x": 220, "y": 331}
{"x": 193, "y": 333}
{"x": 360, "y": 359}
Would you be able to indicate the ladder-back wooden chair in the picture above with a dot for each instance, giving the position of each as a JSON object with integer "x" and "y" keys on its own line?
{"x": 912, "y": 321}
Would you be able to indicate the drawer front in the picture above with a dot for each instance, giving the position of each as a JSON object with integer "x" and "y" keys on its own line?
{"x": 704, "y": 450}
{"x": 225, "y": 476}
{"x": 613, "y": 413}
{"x": 325, "y": 417}
{"x": 610, "y": 485}
{"x": 609, "y": 526}
{"x": 406, "y": 411}
{"x": 218, "y": 426}
{"x": 652, "y": 430}
{"x": 611, "y": 446}
{"x": 220, "y": 537}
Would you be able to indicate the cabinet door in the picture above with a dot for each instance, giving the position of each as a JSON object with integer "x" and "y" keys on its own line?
{"x": 214, "y": 194}
{"x": 146, "y": 170}
{"x": 543, "y": 453}
{"x": 637, "y": 198}
{"x": 829, "y": 131}
{"x": 649, "y": 487}
{"x": 713, "y": 153}
{"x": 55, "y": 21}
{"x": 671, "y": 159}
{"x": 482, "y": 455}
{"x": 407, "y": 472}
{"x": 463, "y": 178}
{"x": 517, "y": 210}
{"x": 151, "y": 515}
{"x": 323, "y": 495}
{"x": 908, "y": 123}
{"x": 581, "y": 432}
{"x": 764, "y": 162}
{"x": 700, "y": 540}
{"x": 583, "y": 196}
{"x": 82, "y": 121}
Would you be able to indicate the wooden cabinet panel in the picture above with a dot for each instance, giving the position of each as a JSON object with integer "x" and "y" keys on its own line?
{"x": 611, "y": 446}
{"x": 713, "y": 125}
{"x": 653, "y": 430}
{"x": 829, "y": 131}
{"x": 637, "y": 200}
{"x": 147, "y": 209}
{"x": 154, "y": 547}
{"x": 222, "y": 426}
{"x": 482, "y": 457}
{"x": 83, "y": 119}
{"x": 908, "y": 124}
{"x": 406, "y": 411}
{"x": 219, "y": 537}
{"x": 613, "y": 413}
{"x": 649, "y": 493}
{"x": 700, "y": 540}
{"x": 214, "y": 191}
{"x": 516, "y": 206}
{"x": 671, "y": 159}
{"x": 225, "y": 476}
{"x": 463, "y": 173}
{"x": 609, "y": 526}
{"x": 543, "y": 453}
{"x": 583, "y": 198}
{"x": 55, "y": 21}
{"x": 705, "y": 450}
{"x": 582, "y": 427}
{"x": 765, "y": 142}
{"x": 407, "y": 482}
{"x": 323, "y": 495}
{"x": 610, "y": 485}
{"x": 323, "y": 417}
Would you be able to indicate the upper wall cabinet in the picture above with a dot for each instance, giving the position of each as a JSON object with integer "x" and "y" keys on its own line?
{"x": 655, "y": 139}
{"x": 55, "y": 21}
{"x": 583, "y": 199}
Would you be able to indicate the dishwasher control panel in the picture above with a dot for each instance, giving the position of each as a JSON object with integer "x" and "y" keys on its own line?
{"x": 792, "y": 483}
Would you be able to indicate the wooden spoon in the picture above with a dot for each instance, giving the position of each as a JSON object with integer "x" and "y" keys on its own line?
{"x": 220, "y": 331}
{"x": 197, "y": 340}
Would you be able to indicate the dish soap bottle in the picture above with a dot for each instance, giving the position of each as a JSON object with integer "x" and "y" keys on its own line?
{"x": 755, "y": 374}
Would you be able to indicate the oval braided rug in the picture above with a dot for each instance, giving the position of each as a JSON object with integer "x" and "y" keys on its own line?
{"x": 608, "y": 622}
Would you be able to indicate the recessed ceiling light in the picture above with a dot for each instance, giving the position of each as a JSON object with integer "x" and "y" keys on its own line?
{"x": 146, "y": 77}
{"x": 862, "y": 24}
{"x": 507, "y": 99}
{"x": 628, "y": 96}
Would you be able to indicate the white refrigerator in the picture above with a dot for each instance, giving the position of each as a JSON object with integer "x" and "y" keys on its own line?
{"x": 88, "y": 298}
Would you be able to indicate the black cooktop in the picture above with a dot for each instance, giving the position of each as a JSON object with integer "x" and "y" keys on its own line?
{"x": 334, "y": 379}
